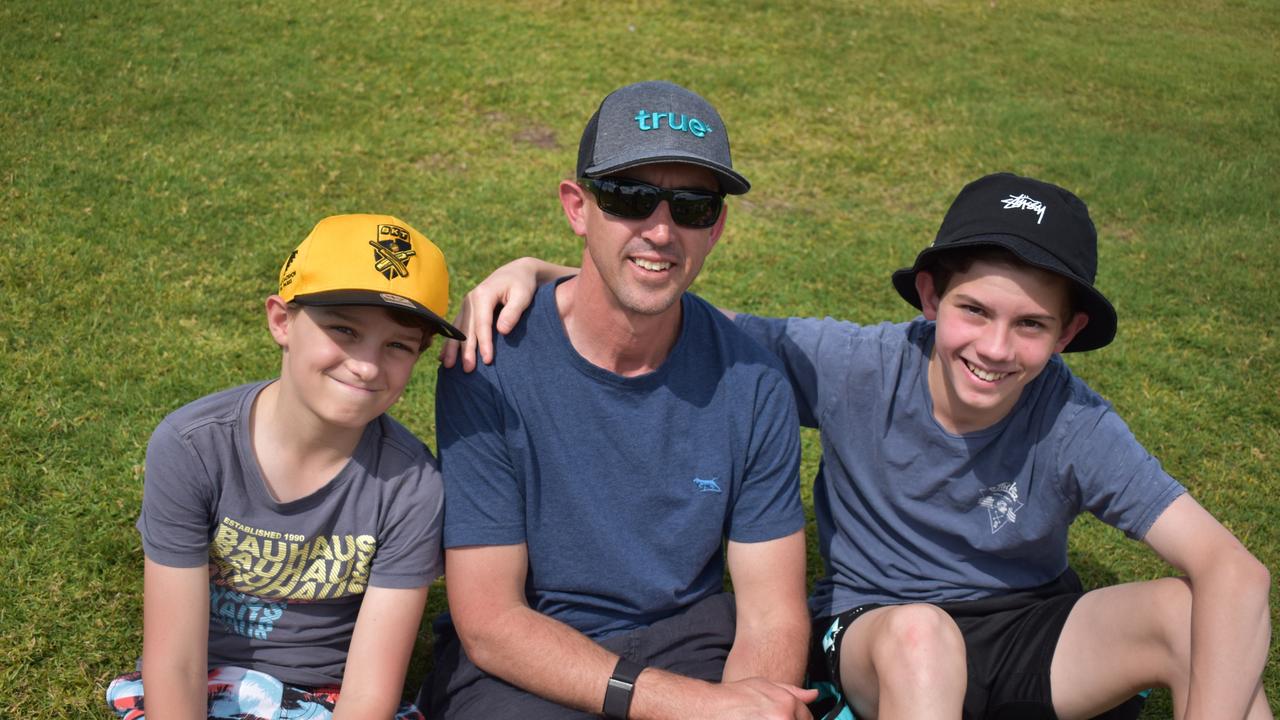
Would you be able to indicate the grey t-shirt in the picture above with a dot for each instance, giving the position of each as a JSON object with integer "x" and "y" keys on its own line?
{"x": 286, "y": 579}
{"x": 908, "y": 512}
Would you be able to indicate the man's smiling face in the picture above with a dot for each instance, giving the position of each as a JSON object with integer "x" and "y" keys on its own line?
{"x": 647, "y": 264}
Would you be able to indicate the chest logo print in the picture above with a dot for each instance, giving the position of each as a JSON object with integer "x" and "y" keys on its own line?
{"x": 1001, "y": 502}
{"x": 706, "y": 486}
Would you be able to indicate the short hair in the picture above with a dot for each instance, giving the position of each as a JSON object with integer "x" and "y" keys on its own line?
{"x": 944, "y": 266}
{"x": 403, "y": 318}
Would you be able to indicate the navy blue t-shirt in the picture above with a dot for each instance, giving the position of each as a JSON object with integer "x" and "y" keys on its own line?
{"x": 623, "y": 488}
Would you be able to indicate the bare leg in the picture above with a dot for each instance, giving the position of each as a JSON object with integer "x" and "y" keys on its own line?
{"x": 1120, "y": 640}
{"x": 904, "y": 661}
{"x": 1259, "y": 709}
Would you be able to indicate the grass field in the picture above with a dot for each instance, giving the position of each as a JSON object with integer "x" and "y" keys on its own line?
{"x": 158, "y": 160}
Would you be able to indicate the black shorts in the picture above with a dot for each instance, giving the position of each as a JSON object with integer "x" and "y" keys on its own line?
{"x": 1009, "y": 645}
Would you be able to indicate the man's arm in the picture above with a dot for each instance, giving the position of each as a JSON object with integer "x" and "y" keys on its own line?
{"x": 175, "y": 640}
{"x": 512, "y": 286}
{"x": 506, "y": 638}
{"x": 379, "y": 655}
{"x": 1230, "y": 617}
{"x": 772, "y": 637}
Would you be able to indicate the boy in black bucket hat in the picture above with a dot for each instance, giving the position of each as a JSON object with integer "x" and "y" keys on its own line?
{"x": 958, "y": 448}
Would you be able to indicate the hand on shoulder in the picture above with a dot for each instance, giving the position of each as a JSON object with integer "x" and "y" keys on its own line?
{"x": 510, "y": 287}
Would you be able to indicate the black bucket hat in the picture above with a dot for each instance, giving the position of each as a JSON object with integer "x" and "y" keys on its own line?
{"x": 1044, "y": 225}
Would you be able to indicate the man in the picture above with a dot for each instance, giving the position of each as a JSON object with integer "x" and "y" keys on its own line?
{"x": 627, "y": 443}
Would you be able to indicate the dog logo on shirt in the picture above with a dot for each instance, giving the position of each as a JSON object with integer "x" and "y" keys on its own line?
{"x": 706, "y": 486}
{"x": 1001, "y": 502}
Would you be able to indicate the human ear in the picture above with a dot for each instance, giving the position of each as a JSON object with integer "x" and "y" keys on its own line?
{"x": 1070, "y": 330}
{"x": 278, "y": 320}
{"x": 718, "y": 228}
{"x": 574, "y": 201}
{"x": 929, "y": 298}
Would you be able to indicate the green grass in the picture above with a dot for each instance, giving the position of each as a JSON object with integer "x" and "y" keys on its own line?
{"x": 158, "y": 160}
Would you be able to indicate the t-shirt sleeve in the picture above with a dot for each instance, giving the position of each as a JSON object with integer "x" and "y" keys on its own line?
{"x": 768, "y": 504}
{"x": 409, "y": 554}
{"x": 177, "y": 501}
{"x": 811, "y": 355}
{"x": 484, "y": 504}
{"x": 1116, "y": 478}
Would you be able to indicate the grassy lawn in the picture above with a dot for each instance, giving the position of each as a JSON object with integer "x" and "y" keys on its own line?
{"x": 158, "y": 160}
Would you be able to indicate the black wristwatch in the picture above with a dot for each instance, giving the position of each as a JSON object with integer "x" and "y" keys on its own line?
{"x": 617, "y": 697}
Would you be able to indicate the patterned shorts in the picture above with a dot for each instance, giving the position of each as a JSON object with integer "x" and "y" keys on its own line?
{"x": 237, "y": 693}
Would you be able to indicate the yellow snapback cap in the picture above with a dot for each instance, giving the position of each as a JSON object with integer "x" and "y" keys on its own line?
{"x": 370, "y": 260}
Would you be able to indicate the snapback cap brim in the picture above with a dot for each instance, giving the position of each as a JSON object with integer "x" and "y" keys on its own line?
{"x": 731, "y": 182}
{"x": 381, "y": 299}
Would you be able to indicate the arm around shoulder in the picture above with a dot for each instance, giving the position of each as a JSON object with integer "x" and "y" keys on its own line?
{"x": 510, "y": 287}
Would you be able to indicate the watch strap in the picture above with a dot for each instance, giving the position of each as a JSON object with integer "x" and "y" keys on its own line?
{"x": 617, "y": 696}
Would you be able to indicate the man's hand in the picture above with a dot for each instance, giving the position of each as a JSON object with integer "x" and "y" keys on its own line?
{"x": 761, "y": 699}
{"x": 510, "y": 287}
{"x": 663, "y": 695}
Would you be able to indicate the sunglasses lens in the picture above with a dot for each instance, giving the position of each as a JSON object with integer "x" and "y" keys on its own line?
{"x": 696, "y": 209}
{"x": 628, "y": 200}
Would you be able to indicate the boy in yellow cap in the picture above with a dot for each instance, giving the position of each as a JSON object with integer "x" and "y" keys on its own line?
{"x": 291, "y": 527}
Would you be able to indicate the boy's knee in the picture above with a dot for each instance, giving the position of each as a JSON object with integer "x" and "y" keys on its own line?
{"x": 919, "y": 643}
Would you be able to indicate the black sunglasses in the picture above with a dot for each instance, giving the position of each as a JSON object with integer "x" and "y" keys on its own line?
{"x": 636, "y": 200}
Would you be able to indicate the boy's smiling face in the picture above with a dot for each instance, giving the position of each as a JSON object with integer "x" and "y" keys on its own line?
{"x": 998, "y": 325}
{"x": 346, "y": 364}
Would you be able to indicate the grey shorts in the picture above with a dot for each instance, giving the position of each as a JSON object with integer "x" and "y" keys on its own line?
{"x": 693, "y": 643}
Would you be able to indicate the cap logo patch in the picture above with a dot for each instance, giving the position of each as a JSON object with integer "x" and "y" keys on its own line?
{"x": 397, "y": 300}
{"x": 391, "y": 251}
{"x": 681, "y": 123}
{"x": 1023, "y": 202}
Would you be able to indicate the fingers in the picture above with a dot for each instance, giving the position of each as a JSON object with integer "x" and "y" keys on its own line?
{"x": 449, "y": 352}
{"x": 805, "y": 697}
{"x": 473, "y": 316}
{"x": 511, "y": 288}
{"x": 477, "y": 319}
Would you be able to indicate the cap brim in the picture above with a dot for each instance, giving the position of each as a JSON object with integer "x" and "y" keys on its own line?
{"x": 731, "y": 182}
{"x": 379, "y": 299}
{"x": 1098, "y": 332}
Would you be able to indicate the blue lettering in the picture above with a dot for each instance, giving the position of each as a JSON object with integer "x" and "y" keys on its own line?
{"x": 653, "y": 121}
{"x": 242, "y": 614}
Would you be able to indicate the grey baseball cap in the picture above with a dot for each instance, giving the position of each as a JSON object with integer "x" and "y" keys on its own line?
{"x": 655, "y": 122}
